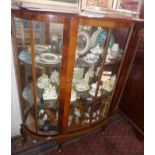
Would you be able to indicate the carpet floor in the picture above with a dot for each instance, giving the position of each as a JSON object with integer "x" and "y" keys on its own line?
{"x": 118, "y": 139}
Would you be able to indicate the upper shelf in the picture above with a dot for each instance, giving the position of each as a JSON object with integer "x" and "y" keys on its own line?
{"x": 25, "y": 57}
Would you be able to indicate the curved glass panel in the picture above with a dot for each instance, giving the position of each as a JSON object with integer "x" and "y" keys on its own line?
{"x": 39, "y": 72}
{"x": 97, "y": 62}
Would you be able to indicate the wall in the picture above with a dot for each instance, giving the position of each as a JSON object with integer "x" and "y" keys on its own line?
{"x": 15, "y": 110}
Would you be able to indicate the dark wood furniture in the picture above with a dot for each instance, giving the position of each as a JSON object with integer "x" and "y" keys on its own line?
{"x": 132, "y": 101}
{"x": 98, "y": 95}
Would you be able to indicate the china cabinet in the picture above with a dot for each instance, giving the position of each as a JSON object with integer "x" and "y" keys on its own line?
{"x": 70, "y": 70}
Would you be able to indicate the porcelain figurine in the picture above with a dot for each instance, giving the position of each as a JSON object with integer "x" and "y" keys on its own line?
{"x": 109, "y": 56}
{"x": 97, "y": 50}
{"x": 41, "y": 112}
{"x": 82, "y": 86}
{"x": 43, "y": 81}
{"x": 89, "y": 74}
{"x": 108, "y": 83}
{"x": 97, "y": 71}
{"x": 93, "y": 90}
{"x": 73, "y": 96}
{"x": 50, "y": 93}
{"x": 45, "y": 118}
{"x": 78, "y": 74}
{"x": 54, "y": 78}
{"x": 115, "y": 50}
{"x": 77, "y": 112}
{"x": 91, "y": 58}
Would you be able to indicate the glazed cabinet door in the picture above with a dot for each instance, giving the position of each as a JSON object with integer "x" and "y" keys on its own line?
{"x": 100, "y": 51}
{"x": 38, "y": 49}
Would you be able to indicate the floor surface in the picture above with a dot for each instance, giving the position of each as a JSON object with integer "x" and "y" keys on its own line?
{"x": 118, "y": 139}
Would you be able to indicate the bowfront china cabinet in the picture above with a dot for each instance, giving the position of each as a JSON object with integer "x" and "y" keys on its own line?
{"x": 70, "y": 70}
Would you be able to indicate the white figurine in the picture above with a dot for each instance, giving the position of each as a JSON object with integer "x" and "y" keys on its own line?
{"x": 97, "y": 50}
{"x": 43, "y": 81}
{"x": 89, "y": 74}
{"x": 77, "y": 112}
{"x": 55, "y": 77}
{"x": 50, "y": 93}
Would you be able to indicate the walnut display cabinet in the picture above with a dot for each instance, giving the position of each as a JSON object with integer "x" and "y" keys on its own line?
{"x": 70, "y": 70}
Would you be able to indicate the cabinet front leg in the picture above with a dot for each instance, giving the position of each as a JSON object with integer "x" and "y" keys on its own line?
{"x": 23, "y": 134}
{"x": 60, "y": 143}
{"x": 102, "y": 131}
{"x": 59, "y": 148}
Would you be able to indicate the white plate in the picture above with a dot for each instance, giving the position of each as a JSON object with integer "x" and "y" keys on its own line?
{"x": 48, "y": 58}
{"x": 94, "y": 37}
{"x": 39, "y": 48}
{"x": 86, "y": 37}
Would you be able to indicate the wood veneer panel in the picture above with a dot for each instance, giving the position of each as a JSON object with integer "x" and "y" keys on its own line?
{"x": 105, "y": 23}
{"x": 33, "y": 75}
{"x": 36, "y": 15}
{"x": 67, "y": 67}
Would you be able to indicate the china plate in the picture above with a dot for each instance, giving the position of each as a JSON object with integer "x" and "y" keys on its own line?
{"x": 39, "y": 48}
{"x": 83, "y": 42}
{"x": 48, "y": 58}
{"x": 98, "y": 35}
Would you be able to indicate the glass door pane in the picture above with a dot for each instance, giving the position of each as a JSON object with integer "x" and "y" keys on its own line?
{"x": 39, "y": 72}
{"x": 99, "y": 53}
{"x": 24, "y": 71}
{"x": 48, "y": 52}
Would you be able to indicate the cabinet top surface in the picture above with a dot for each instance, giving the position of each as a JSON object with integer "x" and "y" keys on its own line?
{"x": 46, "y": 16}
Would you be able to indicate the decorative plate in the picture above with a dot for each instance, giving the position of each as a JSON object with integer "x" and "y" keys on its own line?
{"x": 39, "y": 48}
{"x": 99, "y": 37}
{"x": 48, "y": 58}
{"x": 83, "y": 42}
